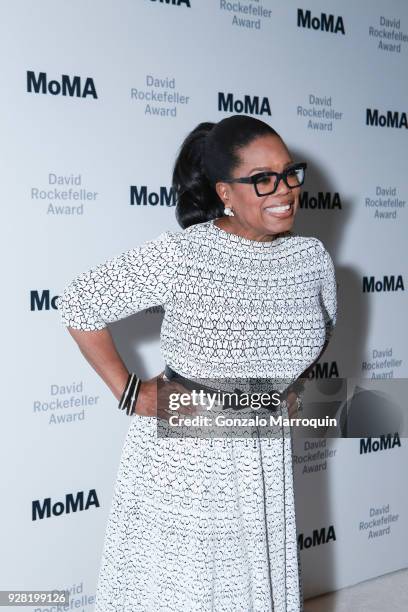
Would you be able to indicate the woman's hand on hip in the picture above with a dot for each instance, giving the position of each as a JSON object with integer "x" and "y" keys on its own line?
{"x": 293, "y": 402}
{"x": 153, "y": 404}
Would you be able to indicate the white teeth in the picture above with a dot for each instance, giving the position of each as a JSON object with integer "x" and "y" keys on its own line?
{"x": 282, "y": 208}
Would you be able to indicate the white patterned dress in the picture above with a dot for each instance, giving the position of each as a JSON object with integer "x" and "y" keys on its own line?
{"x": 200, "y": 525}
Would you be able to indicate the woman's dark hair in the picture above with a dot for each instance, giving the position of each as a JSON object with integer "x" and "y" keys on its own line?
{"x": 209, "y": 154}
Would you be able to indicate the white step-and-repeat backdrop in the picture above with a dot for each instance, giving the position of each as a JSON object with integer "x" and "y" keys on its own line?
{"x": 96, "y": 100}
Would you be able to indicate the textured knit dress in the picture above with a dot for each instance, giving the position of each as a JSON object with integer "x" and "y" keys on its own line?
{"x": 200, "y": 525}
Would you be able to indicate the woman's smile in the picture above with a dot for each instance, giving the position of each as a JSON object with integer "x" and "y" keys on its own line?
{"x": 281, "y": 210}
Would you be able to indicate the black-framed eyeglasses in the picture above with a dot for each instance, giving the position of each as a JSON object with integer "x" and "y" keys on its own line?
{"x": 266, "y": 183}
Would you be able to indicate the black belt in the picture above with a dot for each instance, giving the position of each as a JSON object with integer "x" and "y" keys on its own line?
{"x": 192, "y": 385}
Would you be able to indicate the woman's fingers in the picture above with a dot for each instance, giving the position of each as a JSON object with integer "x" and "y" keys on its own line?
{"x": 292, "y": 403}
{"x": 182, "y": 402}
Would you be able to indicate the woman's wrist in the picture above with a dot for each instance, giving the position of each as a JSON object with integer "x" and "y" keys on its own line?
{"x": 130, "y": 392}
{"x": 119, "y": 385}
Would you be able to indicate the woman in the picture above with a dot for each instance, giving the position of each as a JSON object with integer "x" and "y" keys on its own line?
{"x": 210, "y": 525}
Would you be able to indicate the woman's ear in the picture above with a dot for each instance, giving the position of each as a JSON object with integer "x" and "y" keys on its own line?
{"x": 222, "y": 190}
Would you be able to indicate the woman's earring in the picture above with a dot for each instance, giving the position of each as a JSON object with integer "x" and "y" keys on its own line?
{"x": 228, "y": 211}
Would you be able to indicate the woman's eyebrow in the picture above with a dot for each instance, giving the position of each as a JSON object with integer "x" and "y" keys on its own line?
{"x": 268, "y": 168}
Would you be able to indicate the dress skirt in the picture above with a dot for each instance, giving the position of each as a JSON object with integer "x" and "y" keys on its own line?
{"x": 201, "y": 525}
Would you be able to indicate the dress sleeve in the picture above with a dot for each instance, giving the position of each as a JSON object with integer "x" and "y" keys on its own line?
{"x": 328, "y": 294}
{"x": 328, "y": 299}
{"x": 132, "y": 281}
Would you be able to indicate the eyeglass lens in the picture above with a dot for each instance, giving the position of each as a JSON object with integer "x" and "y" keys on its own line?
{"x": 267, "y": 184}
